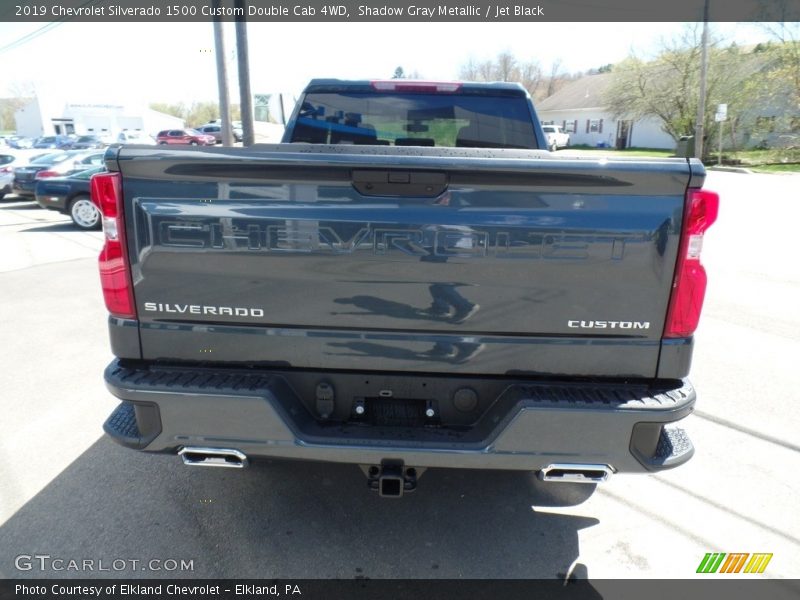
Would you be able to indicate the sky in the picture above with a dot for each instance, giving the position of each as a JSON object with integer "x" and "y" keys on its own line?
{"x": 127, "y": 63}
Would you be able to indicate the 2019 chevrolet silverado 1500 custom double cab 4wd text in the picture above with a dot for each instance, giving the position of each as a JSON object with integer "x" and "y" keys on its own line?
{"x": 411, "y": 280}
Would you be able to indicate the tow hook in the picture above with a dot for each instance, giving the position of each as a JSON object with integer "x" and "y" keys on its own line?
{"x": 391, "y": 479}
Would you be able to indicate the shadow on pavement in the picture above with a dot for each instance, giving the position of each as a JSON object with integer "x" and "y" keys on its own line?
{"x": 14, "y": 204}
{"x": 283, "y": 519}
{"x": 53, "y": 227}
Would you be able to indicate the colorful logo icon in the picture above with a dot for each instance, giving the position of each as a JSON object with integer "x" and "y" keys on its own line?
{"x": 720, "y": 562}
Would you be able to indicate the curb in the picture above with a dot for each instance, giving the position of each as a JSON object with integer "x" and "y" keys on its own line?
{"x": 730, "y": 169}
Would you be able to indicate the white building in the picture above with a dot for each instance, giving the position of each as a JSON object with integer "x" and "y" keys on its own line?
{"x": 60, "y": 117}
{"x": 579, "y": 107}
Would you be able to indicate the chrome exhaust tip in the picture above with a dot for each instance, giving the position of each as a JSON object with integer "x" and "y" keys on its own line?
{"x": 576, "y": 473}
{"x": 213, "y": 457}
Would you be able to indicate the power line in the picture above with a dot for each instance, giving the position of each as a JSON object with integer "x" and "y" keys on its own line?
{"x": 30, "y": 36}
{"x": 41, "y": 31}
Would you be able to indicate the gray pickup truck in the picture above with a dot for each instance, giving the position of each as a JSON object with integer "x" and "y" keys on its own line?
{"x": 410, "y": 280}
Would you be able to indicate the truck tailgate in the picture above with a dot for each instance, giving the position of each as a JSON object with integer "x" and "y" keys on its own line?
{"x": 368, "y": 258}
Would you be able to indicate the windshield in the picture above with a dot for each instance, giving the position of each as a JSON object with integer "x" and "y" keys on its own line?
{"x": 409, "y": 119}
{"x": 87, "y": 138}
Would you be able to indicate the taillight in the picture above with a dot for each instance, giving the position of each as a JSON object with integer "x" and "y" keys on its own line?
{"x": 106, "y": 190}
{"x": 45, "y": 173}
{"x": 689, "y": 284}
{"x": 6, "y": 169}
{"x": 395, "y": 85}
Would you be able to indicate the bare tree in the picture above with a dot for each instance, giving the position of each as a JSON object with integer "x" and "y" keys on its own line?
{"x": 21, "y": 92}
{"x": 469, "y": 70}
{"x": 552, "y": 80}
{"x": 505, "y": 67}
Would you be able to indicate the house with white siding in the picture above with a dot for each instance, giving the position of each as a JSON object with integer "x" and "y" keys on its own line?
{"x": 579, "y": 108}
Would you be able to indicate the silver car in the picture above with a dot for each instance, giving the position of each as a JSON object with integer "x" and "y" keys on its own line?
{"x": 6, "y": 173}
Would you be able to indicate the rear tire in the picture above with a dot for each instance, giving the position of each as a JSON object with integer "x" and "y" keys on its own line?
{"x": 193, "y": 143}
{"x": 84, "y": 213}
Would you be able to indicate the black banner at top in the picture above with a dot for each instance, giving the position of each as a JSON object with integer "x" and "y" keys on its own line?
{"x": 394, "y": 589}
{"x": 104, "y": 11}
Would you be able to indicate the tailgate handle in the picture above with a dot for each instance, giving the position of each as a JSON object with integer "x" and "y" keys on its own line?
{"x": 419, "y": 184}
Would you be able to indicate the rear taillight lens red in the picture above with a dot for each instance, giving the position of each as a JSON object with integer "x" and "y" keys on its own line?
{"x": 6, "y": 169}
{"x": 106, "y": 190}
{"x": 44, "y": 174}
{"x": 689, "y": 284}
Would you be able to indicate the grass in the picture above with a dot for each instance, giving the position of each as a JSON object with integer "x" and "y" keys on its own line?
{"x": 781, "y": 168}
{"x": 762, "y": 161}
{"x": 785, "y": 160}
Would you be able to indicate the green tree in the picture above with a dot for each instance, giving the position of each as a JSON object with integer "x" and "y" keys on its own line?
{"x": 399, "y": 73}
{"x": 781, "y": 82}
{"x": 667, "y": 87}
{"x": 201, "y": 112}
{"x": 197, "y": 113}
{"x": 176, "y": 110}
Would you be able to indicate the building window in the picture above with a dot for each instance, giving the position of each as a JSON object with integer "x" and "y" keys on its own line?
{"x": 569, "y": 126}
{"x": 596, "y": 126}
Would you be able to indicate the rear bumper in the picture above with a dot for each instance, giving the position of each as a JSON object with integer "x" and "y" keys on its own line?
{"x": 528, "y": 425}
{"x": 58, "y": 205}
{"x": 23, "y": 188}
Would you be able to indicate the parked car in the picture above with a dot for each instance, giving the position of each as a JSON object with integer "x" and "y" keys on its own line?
{"x": 70, "y": 196}
{"x": 185, "y": 137}
{"x": 54, "y": 164}
{"x": 216, "y": 131}
{"x": 59, "y": 142}
{"x": 19, "y": 142}
{"x": 88, "y": 141}
{"x": 556, "y": 138}
{"x": 235, "y": 124}
{"x": 9, "y": 162}
{"x": 6, "y": 174}
{"x": 134, "y": 137}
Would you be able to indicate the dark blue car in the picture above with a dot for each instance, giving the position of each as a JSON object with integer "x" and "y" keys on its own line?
{"x": 70, "y": 195}
{"x": 59, "y": 142}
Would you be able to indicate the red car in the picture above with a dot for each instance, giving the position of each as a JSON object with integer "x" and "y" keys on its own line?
{"x": 190, "y": 137}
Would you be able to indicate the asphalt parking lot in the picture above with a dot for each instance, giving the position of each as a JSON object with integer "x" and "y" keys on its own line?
{"x": 68, "y": 492}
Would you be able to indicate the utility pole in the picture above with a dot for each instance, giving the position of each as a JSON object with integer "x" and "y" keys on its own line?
{"x": 245, "y": 97}
{"x": 222, "y": 79}
{"x": 701, "y": 105}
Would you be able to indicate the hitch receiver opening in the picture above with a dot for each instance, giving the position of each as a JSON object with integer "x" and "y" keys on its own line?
{"x": 391, "y": 479}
